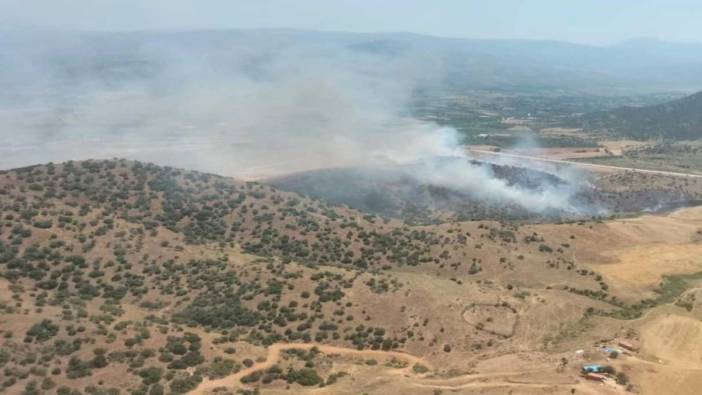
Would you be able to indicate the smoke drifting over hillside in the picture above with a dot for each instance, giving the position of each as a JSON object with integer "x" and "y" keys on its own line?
{"x": 259, "y": 107}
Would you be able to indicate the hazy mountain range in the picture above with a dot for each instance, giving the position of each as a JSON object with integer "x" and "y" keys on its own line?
{"x": 248, "y": 101}
{"x": 71, "y": 57}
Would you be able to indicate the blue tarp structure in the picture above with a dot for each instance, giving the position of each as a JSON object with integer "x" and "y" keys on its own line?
{"x": 592, "y": 368}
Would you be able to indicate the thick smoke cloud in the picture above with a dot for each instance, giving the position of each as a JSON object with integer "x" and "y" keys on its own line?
{"x": 246, "y": 105}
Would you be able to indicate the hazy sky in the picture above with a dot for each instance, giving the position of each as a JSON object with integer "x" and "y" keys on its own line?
{"x": 585, "y": 21}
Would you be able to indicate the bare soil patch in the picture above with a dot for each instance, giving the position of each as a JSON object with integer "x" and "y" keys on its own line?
{"x": 498, "y": 320}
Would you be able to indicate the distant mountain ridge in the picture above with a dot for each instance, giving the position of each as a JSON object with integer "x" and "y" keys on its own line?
{"x": 464, "y": 63}
{"x": 679, "y": 119}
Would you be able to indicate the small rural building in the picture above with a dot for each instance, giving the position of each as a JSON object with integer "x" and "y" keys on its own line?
{"x": 595, "y": 377}
{"x": 592, "y": 369}
{"x": 627, "y": 345}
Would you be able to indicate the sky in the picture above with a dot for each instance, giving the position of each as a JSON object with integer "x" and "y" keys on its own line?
{"x": 583, "y": 21}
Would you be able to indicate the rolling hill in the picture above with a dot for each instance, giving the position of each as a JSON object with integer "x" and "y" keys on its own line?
{"x": 679, "y": 119}
{"x": 393, "y": 192}
{"x": 118, "y": 274}
{"x": 125, "y": 277}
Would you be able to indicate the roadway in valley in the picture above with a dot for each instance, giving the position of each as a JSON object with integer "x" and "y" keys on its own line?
{"x": 583, "y": 165}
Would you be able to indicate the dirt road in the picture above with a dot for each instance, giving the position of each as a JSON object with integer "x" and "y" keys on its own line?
{"x": 582, "y": 165}
{"x": 274, "y": 357}
{"x": 506, "y": 379}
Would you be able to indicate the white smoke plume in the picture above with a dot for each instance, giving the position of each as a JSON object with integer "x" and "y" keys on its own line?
{"x": 459, "y": 172}
{"x": 248, "y": 105}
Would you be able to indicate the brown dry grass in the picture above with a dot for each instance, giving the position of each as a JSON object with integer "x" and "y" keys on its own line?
{"x": 430, "y": 300}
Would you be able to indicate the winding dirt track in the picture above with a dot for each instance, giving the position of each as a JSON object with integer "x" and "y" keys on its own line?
{"x": 274, "y": 357}
{"x": 506, "y": 379}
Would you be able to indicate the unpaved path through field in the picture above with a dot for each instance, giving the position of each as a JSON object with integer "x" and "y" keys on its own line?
{"x": 582, "y": 165}
{"x": 507, "y": 379}
{"x": 274, "y": 356}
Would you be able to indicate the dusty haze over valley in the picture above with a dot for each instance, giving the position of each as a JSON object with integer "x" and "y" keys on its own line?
{"x": 415, "y": 198}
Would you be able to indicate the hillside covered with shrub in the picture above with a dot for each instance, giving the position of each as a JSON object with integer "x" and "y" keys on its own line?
{"x": 125, "y": 277}
{"x": 679, "y": 119}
